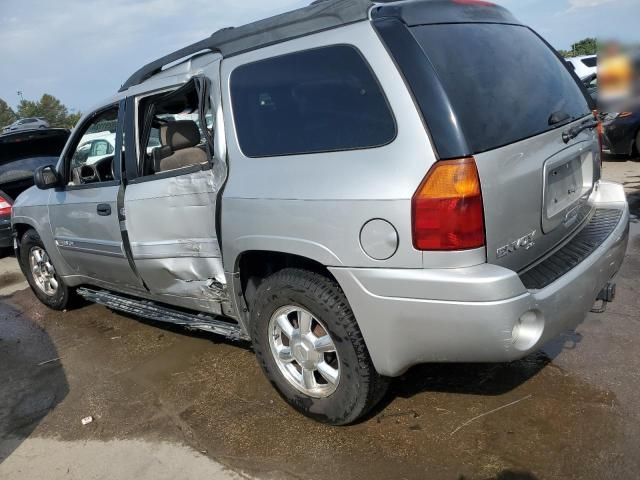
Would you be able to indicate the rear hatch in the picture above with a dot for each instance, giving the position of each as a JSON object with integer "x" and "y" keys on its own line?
{"x": 508, "y": 98}
{"x": 22, "y": 152}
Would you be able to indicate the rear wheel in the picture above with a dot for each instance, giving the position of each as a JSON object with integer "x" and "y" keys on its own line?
{"x": 41, "y": 274}
{"x": 310, "y": 347}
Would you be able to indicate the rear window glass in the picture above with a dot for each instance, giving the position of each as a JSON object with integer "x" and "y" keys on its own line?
{"x": 590, "y": 62}
{"x": 18, "y": 146}
{"x": 320, "y": 100}
{"x": 21, "y": 154}
{"x": 503, "y": 82}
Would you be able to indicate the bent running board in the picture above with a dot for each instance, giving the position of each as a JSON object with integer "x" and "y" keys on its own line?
{"x": 153, "y": 311}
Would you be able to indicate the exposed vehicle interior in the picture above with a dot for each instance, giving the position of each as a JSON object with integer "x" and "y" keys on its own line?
{"x": 174, "y": 131}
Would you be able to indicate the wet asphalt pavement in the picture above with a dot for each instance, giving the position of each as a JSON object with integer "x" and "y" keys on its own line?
{"x": 569, "y": 411}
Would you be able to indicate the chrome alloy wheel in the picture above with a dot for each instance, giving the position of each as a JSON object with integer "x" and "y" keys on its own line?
{"x": 304, "y": 351}
{"x": 43, "y": 272}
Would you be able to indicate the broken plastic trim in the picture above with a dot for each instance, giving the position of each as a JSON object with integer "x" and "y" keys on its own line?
{"x": 156, "y": 312}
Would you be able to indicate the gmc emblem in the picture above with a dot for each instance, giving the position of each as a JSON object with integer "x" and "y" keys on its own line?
{"x": 525, "y": 242}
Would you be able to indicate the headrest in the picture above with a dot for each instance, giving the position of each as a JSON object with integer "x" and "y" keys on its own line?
{"x": 180, "y": 134}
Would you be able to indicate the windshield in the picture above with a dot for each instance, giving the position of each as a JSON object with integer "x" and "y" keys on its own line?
{"x": 503, "y": 81}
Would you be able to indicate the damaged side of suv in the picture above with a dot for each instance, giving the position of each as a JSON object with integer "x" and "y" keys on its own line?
{"x": 349, "y": 186}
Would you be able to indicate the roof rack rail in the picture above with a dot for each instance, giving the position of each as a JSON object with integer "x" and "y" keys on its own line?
{"x": 156, "y": 66}
{"x": 320, "y": 15}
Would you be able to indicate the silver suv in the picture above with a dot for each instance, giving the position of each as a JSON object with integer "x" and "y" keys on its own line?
{"x": 378, "y": 185}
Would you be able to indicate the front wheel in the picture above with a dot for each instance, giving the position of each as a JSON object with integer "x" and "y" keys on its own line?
{"x": 41, "y": 274}
{"x": 310, "y": 347}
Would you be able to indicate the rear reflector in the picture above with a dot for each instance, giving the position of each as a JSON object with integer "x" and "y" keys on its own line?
{"x": 5, "y": 206}
{"x": 447, "y": 210}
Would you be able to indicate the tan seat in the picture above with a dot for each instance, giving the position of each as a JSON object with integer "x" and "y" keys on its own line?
{"x": 179, "y": 149}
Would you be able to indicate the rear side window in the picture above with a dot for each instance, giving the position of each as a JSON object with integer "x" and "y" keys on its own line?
{"x": 321, "y": 100}
{"x": 503, "y": 81}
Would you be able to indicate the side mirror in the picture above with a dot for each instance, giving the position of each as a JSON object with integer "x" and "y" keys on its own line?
{"x": 46, "y": 177}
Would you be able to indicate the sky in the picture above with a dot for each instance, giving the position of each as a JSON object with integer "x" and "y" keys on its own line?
{"x": 81, "y": 51}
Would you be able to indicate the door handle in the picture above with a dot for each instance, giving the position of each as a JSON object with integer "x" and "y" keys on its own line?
{"x": 104, "y": 209}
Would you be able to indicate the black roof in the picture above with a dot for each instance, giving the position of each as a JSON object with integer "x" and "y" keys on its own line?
{"x": 324, "y": 15}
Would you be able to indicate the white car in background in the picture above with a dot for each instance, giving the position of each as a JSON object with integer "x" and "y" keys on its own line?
{"x": 97, "y": 146}
{"x": 584, "y": 65}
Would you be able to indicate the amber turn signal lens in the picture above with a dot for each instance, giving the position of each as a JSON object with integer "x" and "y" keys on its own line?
{"x": 447, "y": 209}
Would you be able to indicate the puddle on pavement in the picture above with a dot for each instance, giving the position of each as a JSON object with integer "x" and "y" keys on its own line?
{"x": 142, "y": 381}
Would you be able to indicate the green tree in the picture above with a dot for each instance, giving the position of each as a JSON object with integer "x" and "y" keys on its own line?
{"x": 72, "y": 120}
{"x": 587, "y": 46}
{"x": 7, "y": 115}
{"x": 48, "y": 107}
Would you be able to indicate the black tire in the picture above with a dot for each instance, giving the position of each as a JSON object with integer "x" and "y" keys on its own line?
{"x": 360, "y": 387}
{"x": 60, "y": 299}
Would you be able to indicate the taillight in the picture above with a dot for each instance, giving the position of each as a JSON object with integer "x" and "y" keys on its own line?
{"x": 447, "y": 210}
{"x": 5, "y": 206}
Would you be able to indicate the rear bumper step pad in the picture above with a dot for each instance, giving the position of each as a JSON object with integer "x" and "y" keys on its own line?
{"x": 593, "y": 235}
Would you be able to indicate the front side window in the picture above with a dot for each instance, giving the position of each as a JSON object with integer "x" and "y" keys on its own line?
{"x": 321, "y": 100}
{"x": 92, "y": 158}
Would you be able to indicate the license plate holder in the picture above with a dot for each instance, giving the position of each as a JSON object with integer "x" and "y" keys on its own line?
{"x": 568, "y": 181}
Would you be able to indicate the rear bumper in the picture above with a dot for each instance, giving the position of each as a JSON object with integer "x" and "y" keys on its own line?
{"x": 6, "y": 237}
{"x": 477, "y": 314}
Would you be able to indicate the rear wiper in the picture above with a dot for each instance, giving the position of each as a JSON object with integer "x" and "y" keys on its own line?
{"x": 573, "y": 132}
{"x": 558, "y": 117}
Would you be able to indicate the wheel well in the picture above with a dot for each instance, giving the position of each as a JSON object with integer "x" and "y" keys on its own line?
{"x": 21, "y": 229}
{"x": 256, "y": 266}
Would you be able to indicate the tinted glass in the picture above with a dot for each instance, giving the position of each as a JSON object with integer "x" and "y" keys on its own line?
{"x": 590, "y": 62}
{"x": 320, "y": 100}
{"x": 503, "y": 82}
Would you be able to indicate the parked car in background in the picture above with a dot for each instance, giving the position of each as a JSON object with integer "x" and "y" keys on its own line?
{"x": 26, "y": 124}
{"x": 6, "y": 237}
{"x": 96, "y": 147}
{"x": 21, "y": 153}
{"x": 585, "y": 65}
{"x": 357, "y": 207}
{"x": 621, "y": 133}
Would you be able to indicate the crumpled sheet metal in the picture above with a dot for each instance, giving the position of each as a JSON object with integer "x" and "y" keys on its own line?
{"x": 171, "y": 223}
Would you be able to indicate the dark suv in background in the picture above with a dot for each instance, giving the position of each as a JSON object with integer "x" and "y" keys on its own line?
{"x": 20, "y": 154}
